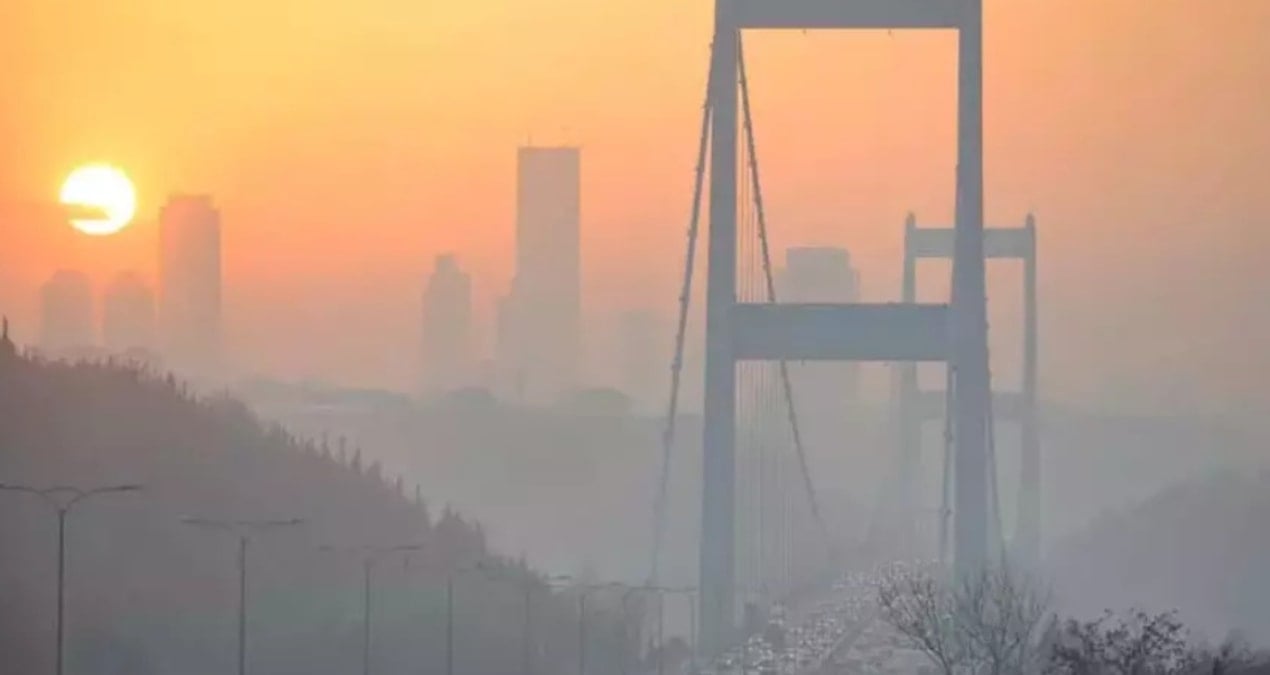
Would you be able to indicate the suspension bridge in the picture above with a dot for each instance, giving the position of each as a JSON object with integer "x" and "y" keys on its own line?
{"x": 757, "y": 489}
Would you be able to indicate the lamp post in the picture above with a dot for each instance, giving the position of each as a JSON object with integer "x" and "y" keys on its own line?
{"x": 529, "y": 583}
{"x": 449, "y": 624}
{"x": 631, "y": 590}
{"x": 62, "y": 499}
{"x": 689, "y": 592}
{"x": 626, "y": 621}
{"x": 583, "y": 591}
{"x": 449, "y": 613}
{"x": 370, "y": 555}
{"x": 242, "y": 529}
{"x": 661, "y": 617}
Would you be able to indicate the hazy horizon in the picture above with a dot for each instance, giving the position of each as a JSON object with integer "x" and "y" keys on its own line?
{"x": 348, "y": 150}
{"x": 308, "y": 263}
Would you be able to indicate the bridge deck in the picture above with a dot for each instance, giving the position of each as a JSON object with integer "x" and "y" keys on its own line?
{"x": 852, "y": 14}
{"x": 840, "y": 332}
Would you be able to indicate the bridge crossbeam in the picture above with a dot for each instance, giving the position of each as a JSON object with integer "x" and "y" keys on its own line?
{"x": 727, "y": 327}
{"x": 1011, "y": 406}
{"x": 853, "y": 14}
{"x": 998, "y": 242}
{"x": 839, "y": 332}
{"x": 918, "y": 407}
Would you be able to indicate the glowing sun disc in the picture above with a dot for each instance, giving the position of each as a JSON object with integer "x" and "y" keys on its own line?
{"x": 104, "y": 189}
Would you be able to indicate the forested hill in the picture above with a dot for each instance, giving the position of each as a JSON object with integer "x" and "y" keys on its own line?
{"x": 1201, "y": 547}
{"x": 148, "y": 593}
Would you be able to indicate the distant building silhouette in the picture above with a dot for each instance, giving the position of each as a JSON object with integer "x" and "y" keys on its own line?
{"x": 540, "y": 320}
{"x": 190, "y": 283}
{"x": 66, "y": 313}
{"x": 645, "y": 347}
{"x": 822, "y": 274}
{"x": 818, "y": 274}
{"x": 447, "y": 328}
{"x": 127, "y": 319}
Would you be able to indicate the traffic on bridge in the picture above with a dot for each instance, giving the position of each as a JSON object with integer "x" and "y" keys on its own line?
{"x": 807, "y": 639}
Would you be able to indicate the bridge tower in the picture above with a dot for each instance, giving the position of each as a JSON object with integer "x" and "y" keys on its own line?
{"x": 954, "y": 333}
{"x": 916, "y": 407}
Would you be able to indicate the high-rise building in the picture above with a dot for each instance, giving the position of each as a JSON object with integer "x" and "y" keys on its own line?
{"x": 540, "y": 341}
{"x": 822, "y": 274}
{"x": 127, "y": 318}
{"x": 66, "y": 312}
{"x": 447, "y": 328}
{"x": 509, "y": 352}
{"x": 645, "y": 348}
{"x": 190, "y": 283}
{"x": 818, "y": 274}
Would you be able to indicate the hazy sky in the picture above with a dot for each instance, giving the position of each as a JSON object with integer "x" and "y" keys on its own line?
{"x": 348, "y": 142}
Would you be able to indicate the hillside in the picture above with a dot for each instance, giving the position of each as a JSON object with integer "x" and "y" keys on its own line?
{"x": 1202, "y": 547}
{"x": 147, "y": 593}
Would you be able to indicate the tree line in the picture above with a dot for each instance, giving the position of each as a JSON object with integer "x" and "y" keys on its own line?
{"x": 147, "y": 593}
{"x": 1001, "y": 622}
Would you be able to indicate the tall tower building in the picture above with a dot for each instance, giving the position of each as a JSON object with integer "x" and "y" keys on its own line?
{"x": 644, "y": 346}
{"x": 540, "y": 345}
{"x": 822, "y": 274}
{"x": 819, "y": 274}
{"x": 127, "y": 320}
{"x": 447, "y": 328}
{"x": 190, "y": 283}
{"x": 508, "y": 352}
{"x": 66, "y": 313}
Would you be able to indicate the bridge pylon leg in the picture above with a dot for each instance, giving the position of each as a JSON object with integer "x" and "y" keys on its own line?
{"x": 969, "y": 330}
{"x": 1028, "y": 533}
{"x": 718, "y": 499}
{"x": 956, "y": 334}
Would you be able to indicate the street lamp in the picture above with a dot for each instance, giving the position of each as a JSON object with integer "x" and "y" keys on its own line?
{"x": 242, "y": 529}
{"x": 527, "y": 626}
{"x": 62, "y": 498}
{"x": 370, "y": 554}
{"x": 691, "y": 593}
{"x": 583, "y": 591}
{"x": 625, "y": 621}
{"x": 551, "y": 582}
{"x": 631, "y": 590}
{"x": 661, "y": 617}
{"x": 449, "y": 613}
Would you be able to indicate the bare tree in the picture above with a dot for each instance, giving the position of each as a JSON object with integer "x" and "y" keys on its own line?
{"x": 1136, "y": 644}
{"x": 921, "y": 610}
{"x": 994, "y": 623}
{"x": 1005, "y": 620}
{"x": 1232, "y": 656}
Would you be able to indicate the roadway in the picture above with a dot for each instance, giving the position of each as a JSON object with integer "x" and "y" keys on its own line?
{"x": 827, "y": 627}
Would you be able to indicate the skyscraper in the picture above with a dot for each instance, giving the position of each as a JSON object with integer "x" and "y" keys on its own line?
{"x": 822, "y": 274}
{"x": 541, "y": 342}
{"x": 447, "y": 328}
{"x": 645, "y": 346}
{"x": 190, "y": 283}
{"x": 127, "y": 319}
{"x": 818, "y": 274}
{"x": 66, "y": 312}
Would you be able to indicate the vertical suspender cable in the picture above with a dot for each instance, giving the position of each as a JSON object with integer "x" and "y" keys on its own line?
{"x": 676, "y": 364}
{"x": 946, "y": 476}
{"x": 744, "y": 392}
{"x": 771, "y": 297}
{"x": 996, "y": 542}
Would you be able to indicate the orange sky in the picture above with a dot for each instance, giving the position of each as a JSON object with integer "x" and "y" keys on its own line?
{"x": 348, "y": 142}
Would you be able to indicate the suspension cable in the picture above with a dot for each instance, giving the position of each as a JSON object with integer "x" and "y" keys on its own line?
{"x": 676, "y": 364}
{"x": 998, "y": 541}
{"x": 791, "y": 410}
{"x": 946, "y": 478}
{"x": 745, "y": 392}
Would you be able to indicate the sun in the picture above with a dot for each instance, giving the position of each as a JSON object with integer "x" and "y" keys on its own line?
{"x": 105, "y": 190}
